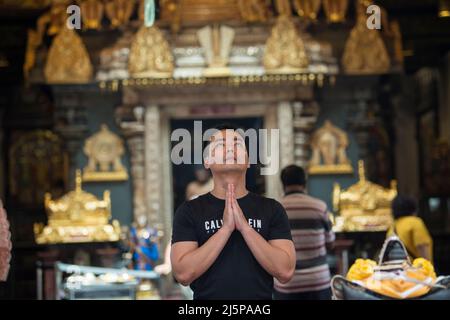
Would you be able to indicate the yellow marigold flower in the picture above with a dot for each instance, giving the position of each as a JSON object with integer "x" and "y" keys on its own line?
{"x": 361, "y": 269}
{"x": 425, "y": 266}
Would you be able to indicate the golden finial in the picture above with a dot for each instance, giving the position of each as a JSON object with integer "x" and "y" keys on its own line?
{"x": 361, "y": 171}
{"x": 78, "y": 180}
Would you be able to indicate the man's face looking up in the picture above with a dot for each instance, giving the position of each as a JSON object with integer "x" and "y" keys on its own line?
{"x": 227, "y": 151}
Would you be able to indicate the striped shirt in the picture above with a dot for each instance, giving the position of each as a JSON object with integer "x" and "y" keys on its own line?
{"x": 311, "y": 231}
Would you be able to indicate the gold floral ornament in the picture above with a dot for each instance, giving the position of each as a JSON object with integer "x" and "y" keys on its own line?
{"x": 119, "y": 11}
{"x": 68, "y": 60}
{"x": 335, "y": 10}
{"x": 329, "y": 144}
{"x": 150, "y": 55}
{"x": 254, "y": 10}
{"x": 361, "y": 269}
{"x": 104, "y": 150}
{"x": 307, "y": 9}
{"x": 78, "y": 217}
{"x": 285, "y": 51}
{"x": 283, "y": 7}
{"x": 92, "y": 13}
{"x": 56, "y": 17}
{"x": 34, "y": 40}
{"x": 364, "y": 206}
{"x": 365, "y": 52}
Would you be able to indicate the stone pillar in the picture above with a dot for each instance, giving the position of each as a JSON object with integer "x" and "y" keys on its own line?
{"x": 71, "y": 125}
{"x": 304, "y": 118}
{"x": 133, "y": 132}
{"x": 153, "y": 165}
{"x": 444, "y": 110}
{"x": 285, "y": 123}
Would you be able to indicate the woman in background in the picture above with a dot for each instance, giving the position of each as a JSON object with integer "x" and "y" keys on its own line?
{"x": 411, "y": 229}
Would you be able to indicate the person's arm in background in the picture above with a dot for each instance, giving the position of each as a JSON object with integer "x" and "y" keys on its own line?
{"x": 329, "y": 233}
{"x": 422, "y": 240}
{"x": 425, "y": 251}
{"x": 189, "y": 261}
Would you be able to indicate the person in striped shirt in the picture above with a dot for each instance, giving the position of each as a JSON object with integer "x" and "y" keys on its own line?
{"x": 312, "y": 235}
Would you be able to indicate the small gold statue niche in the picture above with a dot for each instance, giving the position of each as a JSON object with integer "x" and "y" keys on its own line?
{"x": 329, "y": 144}
{"x": 365, "y": 51}
{"x": 285, "y": 49}
{"x": 104, "y": 150}
{"x": 119, "y": 12}
{"x": 92, "y": 13}
{"x": 150, "y": 54}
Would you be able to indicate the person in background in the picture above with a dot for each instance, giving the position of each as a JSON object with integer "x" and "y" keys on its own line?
{"x": 202, "y": 184}
{"x": 411, "y": 229}
{"x": 143, "y": 245}
{"x": 5, "y": 244}
{"x": 312, "y": 234}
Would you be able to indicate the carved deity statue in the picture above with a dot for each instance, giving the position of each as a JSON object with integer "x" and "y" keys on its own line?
{"x": 329, "y": 145}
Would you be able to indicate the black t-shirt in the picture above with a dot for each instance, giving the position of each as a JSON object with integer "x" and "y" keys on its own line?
{"x": 235, "y": 274}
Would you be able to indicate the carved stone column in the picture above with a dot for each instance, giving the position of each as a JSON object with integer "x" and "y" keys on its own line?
{"x": 71, "y": 124}
{"x": 153, "y": 164}
{"x": 304, "y": 119}
{"x": 133, "y": 132}
{"x": 285, "y": 119}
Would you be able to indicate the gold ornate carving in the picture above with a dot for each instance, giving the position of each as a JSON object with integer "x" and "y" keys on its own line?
{"x": 78, "y": 217}
{"x": 335, "y": 10}
{"x": 364, "y": 206}
{"x": 150, "y": 54}
{"x": 200, "y": 11}
{"x": 34, "y": 40}
{"x": 307, "y": 9}
{"x": 68, "y": 60}
{"x": 365, "y": 52}
{"x": 104, "y": 150}
{"x": 217, "y": 42}
{"x": 283, "y": 7}
{"x": 37, "y": 164}
{"x": 92, "y": 13}
{"x": 254, "y": 10}
{"x": 119, "y": 11}
{"x": 56, "y": 17}
{"x": 329, "y": 144}
{"x": 285, "y": 50}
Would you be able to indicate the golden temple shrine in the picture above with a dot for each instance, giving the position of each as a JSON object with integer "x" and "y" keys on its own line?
{"x": 364, "y": 206}
{"x": 78, "y": 217}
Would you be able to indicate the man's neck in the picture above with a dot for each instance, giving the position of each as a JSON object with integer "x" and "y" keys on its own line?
{"x": 221, "y": 182}
{"x": 294, "y": 188}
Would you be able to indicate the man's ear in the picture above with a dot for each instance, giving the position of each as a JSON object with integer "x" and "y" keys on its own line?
{"x": 206, "y": 163}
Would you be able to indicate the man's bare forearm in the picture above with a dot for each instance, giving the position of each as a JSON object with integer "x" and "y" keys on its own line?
{"x": 193, "y": 264}
{"x": 275, "y": 261}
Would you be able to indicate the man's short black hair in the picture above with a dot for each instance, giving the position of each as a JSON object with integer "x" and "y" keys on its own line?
{"x": 403, "y": 206}
{"x": 226, "y": 126}
{"x": 293, "y": 175}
